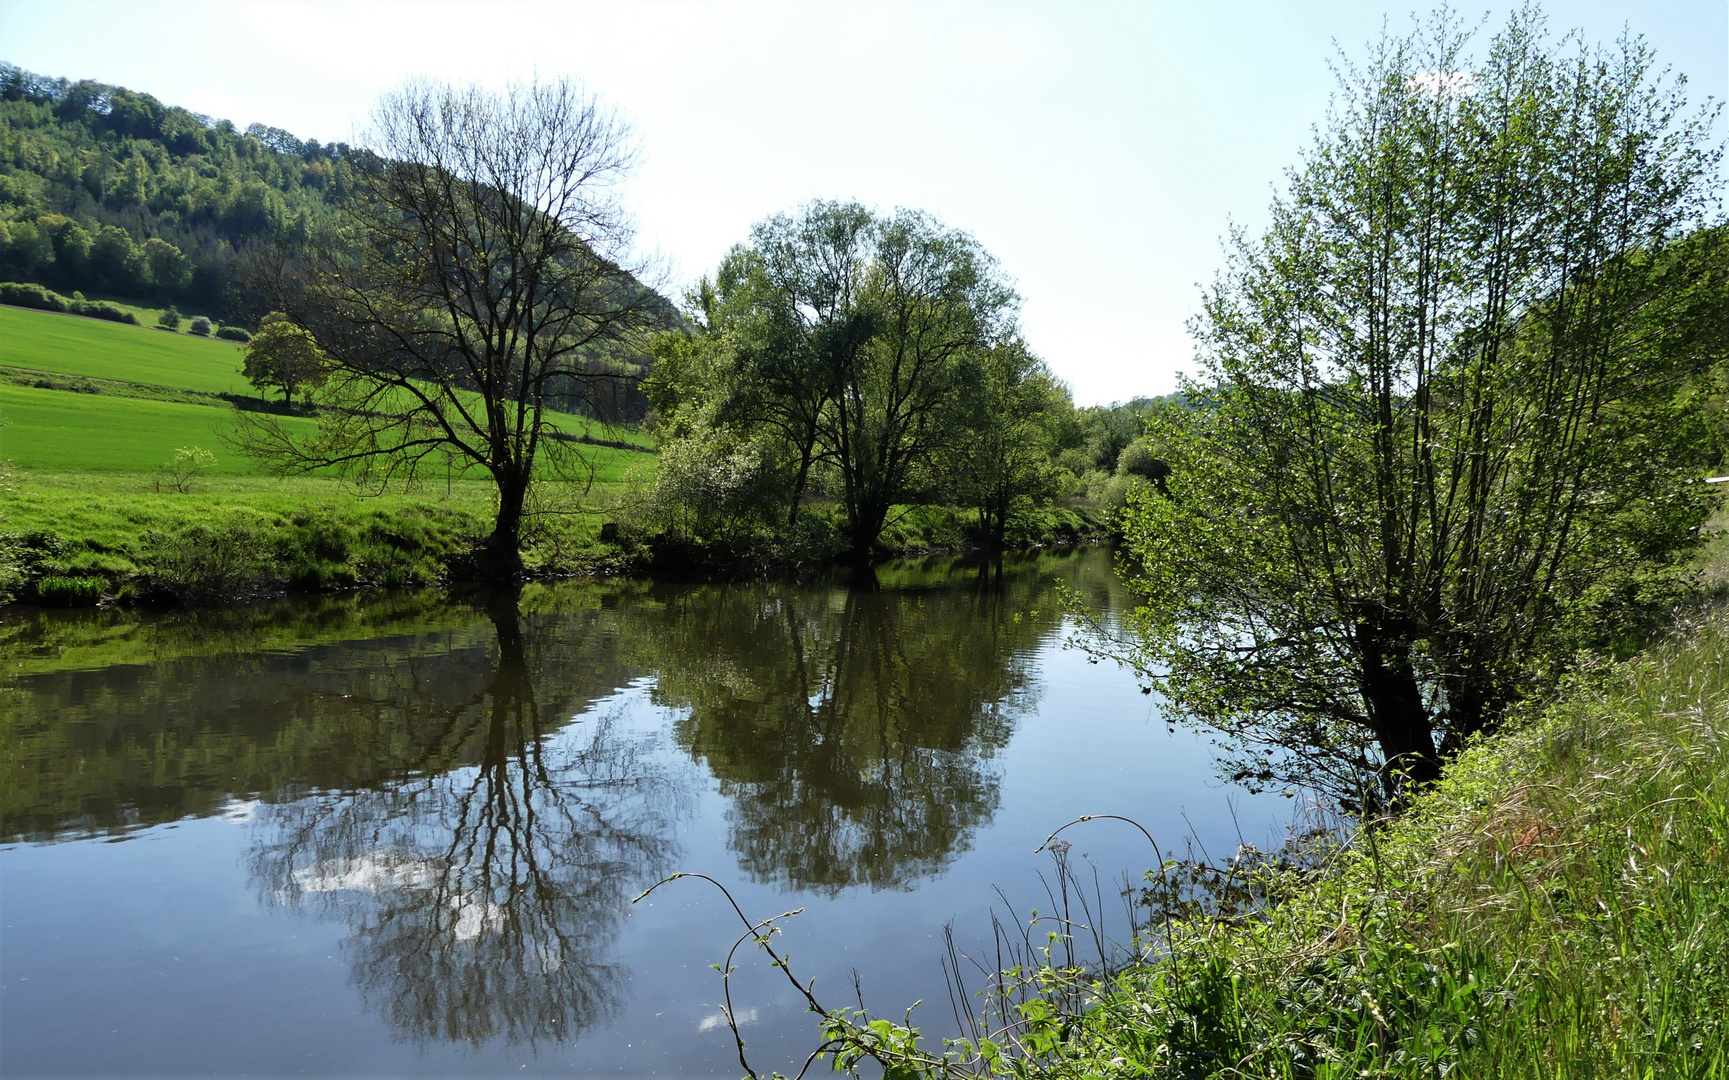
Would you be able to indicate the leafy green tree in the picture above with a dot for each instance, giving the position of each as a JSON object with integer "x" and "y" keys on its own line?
{"x": 133, "y": 181}
{"x": 169, "y": 270}
{"x": 115, "y": 263}
{"x": 712, "y": 487}
{"x": 282, "y": 356}
{"x": 999, "y": 458}
{"x": 845, "y": 337}
{"x": 1438, "y": 443}
{"x": 169, "y": 319}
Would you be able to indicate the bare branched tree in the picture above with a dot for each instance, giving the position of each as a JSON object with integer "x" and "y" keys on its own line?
{"x": 478, "y": 279}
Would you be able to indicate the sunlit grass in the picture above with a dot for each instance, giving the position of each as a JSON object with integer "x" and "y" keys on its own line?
{"x": 74, "y": 345}
{"x": 61, "y": 430}
{"x": 1557, "y": 907}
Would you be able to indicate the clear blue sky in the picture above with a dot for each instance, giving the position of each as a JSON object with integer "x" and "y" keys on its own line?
{"x": 1099, "y": 150}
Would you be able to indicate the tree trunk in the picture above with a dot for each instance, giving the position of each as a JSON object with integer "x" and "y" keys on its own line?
{"x": 865, "y": 527}
{"x": 1397, "y": 716}
{"x": 501, "y": 554}
{"x": 799, "y": 483}
{"x": 998, "y": 523}
{"x": 1472, "y": 707}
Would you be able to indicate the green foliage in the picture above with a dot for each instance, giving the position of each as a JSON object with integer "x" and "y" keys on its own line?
{"x": 233, "y": 333}
{"x": 871, "y": 359}
{"x": 182, "y": 470}
{"x": 999, "y": 458}
{"x": 282, "y": 356}
{"x": 306, "y": 551}
{"x": 1138, "y": 459}
{"x": 169, "y": 319}
{"x": 58, "y": 591}
{"x": 35, "y": 296}
{"x": 710, "y": 488}
{"x": 1443, "y": 439}
{"x": 108, "y": 190}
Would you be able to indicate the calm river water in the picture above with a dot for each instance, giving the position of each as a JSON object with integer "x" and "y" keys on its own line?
{"x": 399, "y": 835}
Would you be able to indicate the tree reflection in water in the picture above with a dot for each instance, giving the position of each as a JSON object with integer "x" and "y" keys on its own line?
{"x": 854, "y": 729}
{"x": 421, "y": 779}
{"x": 483, "y": 900}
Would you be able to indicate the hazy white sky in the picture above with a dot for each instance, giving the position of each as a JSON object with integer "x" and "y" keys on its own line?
{"x": 1100, "y": 151}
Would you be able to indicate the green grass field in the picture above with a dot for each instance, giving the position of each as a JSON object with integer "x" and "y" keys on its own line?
{"x": 119, "y": 428}
{"x": 73, "y": 345}
{"x": 91, "y": 413}
{"x": 54, "y": 429}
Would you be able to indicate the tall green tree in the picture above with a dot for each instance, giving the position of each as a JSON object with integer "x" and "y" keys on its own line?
{"x": 1438, "y": 441}
{"x": 846, "y": 336}
{"x": 999, "y": 457}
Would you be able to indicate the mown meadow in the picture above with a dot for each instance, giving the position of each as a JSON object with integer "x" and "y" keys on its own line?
{"x": 95, "y": 413}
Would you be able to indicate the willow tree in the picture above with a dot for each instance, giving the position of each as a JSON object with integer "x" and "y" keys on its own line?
{"x": 847, "y": 337}
{"x": 478, "y": 277}
{"x": 1437, "y": 442}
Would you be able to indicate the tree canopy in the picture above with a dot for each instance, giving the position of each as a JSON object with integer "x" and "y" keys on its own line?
{"x": 1442, "y": 435}
{"x": 284, "y": 357}
{"x": 109, "y": 190}
{"x": 870, "y": 355}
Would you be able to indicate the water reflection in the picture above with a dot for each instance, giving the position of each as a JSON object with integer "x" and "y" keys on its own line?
{"x": 483, "y": 901}
{"x": 853, "y": 730}
{"x": 474, "y": 788}
{"x": 114, "y": 722}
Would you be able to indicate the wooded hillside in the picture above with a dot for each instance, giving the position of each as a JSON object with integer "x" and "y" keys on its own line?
{"x": 108, "y": 190}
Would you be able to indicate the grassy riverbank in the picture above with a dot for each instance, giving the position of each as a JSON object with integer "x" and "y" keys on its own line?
{"x": 94, "y": 413}
{"x": 1558, "y": 906}
{"x": 91, "y": 504}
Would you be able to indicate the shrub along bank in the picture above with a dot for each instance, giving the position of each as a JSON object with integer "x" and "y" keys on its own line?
{"x": 222, "y": 554}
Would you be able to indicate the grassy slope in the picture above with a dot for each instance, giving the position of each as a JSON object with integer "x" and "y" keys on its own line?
{"x": 51, "y": 429}
{"x": 1558, "y": 907}
{"x": 73, "y": 345}
{"x": 47, "y": 341}
{"x": 85, "y": 469}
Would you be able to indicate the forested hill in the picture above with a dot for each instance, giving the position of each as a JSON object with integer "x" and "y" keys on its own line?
{"x": 107, "y": 190}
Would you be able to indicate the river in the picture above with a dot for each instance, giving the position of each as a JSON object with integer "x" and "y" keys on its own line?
{"x": 399, "y": 834}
